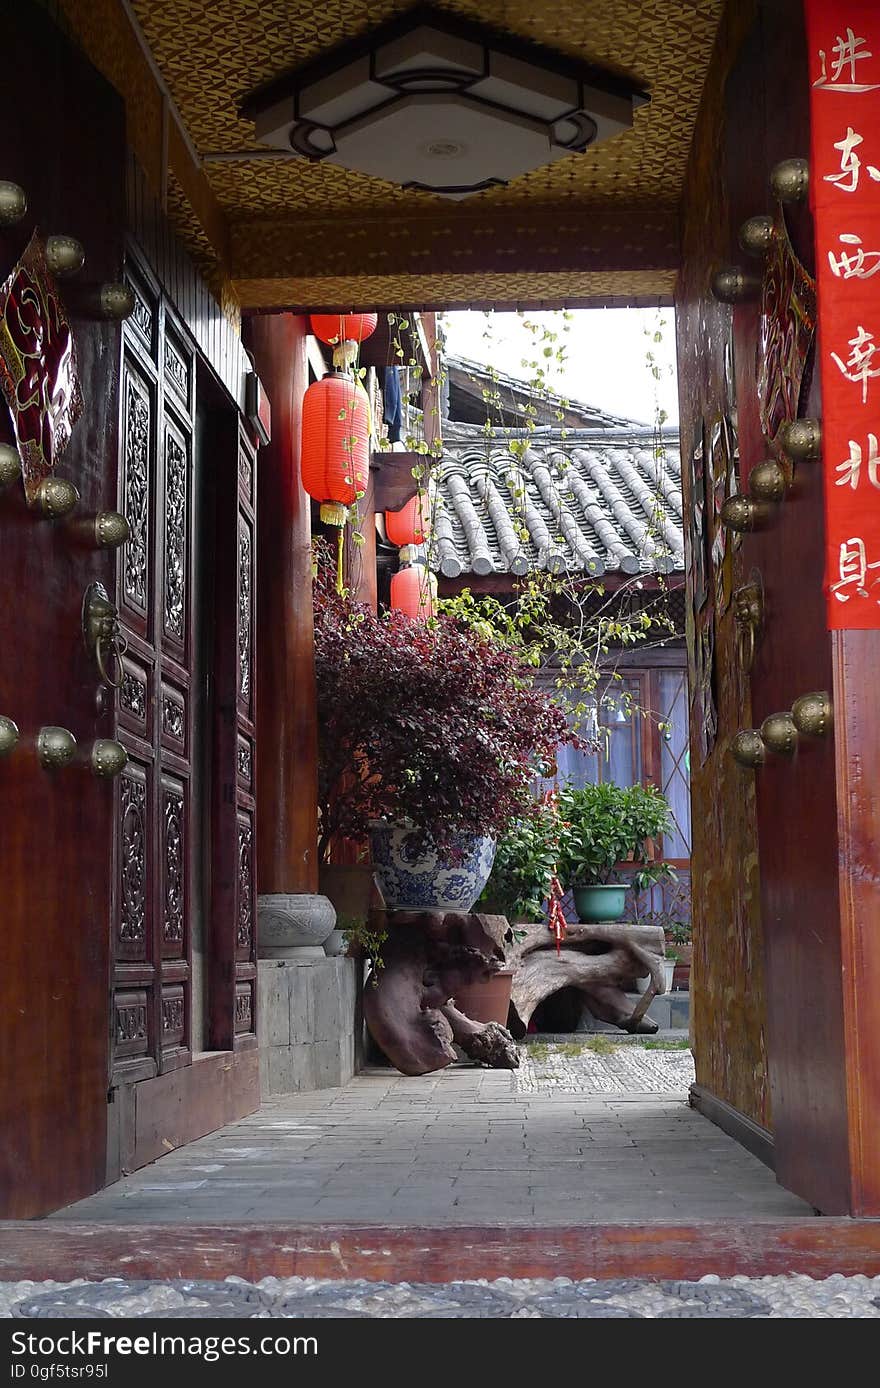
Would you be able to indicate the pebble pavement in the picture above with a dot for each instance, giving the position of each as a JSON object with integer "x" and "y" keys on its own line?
{"x": 574, "y": 1068}
{"x": 761, "y": 1298}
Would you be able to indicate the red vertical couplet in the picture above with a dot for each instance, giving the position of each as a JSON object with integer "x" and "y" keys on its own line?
{"x": 844, "y": 47}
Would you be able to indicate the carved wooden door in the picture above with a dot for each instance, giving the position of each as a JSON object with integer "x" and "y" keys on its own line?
{"x": 152, "y": 947}
{"x": 797, "y": 796}
{"x": 67, "y": 150}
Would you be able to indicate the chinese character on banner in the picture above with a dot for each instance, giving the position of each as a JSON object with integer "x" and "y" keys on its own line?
{"x": 851, "y": 470}
{"x": 843, "y": 39}
{"x": 37, "y": 366}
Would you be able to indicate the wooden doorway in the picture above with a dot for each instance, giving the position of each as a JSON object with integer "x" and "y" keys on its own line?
{"x": 156, "y": 836}
{"x": 67, "y": 151}
{"x": 184, "y": 965}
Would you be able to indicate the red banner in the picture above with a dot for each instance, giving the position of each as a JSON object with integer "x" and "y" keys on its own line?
{"x": 844, "y": 48}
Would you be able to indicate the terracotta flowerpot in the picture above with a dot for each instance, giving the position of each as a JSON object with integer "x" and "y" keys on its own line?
{"x": 487, "y": 999}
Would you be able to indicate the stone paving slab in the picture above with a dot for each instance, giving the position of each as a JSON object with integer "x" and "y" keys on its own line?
{"x": 465, "y": 1145}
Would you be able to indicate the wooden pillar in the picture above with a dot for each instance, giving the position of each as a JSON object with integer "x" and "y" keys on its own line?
{"x": 361, "y": 557}
{"x": 856, "y": 656}
{"x": 287, "y": 755}
{"x": 430, "y": 384}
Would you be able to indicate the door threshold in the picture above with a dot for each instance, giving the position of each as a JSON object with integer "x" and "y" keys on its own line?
{"x": 816, "y": 1247}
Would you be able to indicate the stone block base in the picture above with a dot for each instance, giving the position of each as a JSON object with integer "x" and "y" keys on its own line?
{"x": 307, "y": 1021}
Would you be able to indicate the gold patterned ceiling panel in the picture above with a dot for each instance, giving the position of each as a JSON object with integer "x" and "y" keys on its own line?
{"x": 212, "y": 54}
{"x": 516, "y": 290}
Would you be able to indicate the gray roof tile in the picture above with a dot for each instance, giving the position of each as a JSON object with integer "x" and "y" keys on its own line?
{"x": 588, "y": 501}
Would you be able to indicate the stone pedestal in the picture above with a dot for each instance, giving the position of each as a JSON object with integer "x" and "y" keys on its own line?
{"x": 293, "y": 925}
{"x": 307, "y": 1022}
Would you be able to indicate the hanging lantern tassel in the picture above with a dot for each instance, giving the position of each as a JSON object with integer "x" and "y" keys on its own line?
{"x": 345, "y": 354}
{"x": 556, "y": 923}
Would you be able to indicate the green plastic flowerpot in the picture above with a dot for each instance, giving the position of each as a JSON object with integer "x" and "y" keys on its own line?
{"x": 599, "y": 902}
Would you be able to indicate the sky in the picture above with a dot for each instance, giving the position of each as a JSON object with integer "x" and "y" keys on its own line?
{"x": 606, "y": 353}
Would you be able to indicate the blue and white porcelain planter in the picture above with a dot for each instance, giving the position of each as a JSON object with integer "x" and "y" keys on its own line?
{"x": 414, "y": 877}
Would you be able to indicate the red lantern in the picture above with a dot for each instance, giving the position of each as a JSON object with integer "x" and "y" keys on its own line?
{"x": 334, "y": 328}
{"x": 335, "y": 444}
{"x": 414, "y": 591}
{"x": 410, "y": 525}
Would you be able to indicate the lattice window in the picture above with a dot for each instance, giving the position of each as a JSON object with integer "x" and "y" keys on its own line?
{"x": 675, "y": 760}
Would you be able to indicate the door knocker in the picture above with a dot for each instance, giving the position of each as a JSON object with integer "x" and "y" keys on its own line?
{"x": 748, "y": 613}
{"x": 104, "y": 641}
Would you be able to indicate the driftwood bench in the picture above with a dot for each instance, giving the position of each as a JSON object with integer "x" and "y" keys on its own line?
{"x": 430, "y": 955}
{"x": 602, "y": 961}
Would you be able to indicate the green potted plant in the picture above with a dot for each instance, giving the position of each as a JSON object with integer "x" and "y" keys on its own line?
{"x": 603, "y": 826}
{"x": 525, "y": 861}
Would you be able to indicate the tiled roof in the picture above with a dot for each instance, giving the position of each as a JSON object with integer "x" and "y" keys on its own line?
{"x": 510, "y": 392}
{"x": 592, "y": 501}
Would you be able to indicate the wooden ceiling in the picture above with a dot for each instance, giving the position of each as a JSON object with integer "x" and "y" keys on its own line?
{"x": 601, "y": 225}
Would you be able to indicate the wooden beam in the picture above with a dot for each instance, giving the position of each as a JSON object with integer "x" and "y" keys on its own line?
{"x": 457, "y": 242}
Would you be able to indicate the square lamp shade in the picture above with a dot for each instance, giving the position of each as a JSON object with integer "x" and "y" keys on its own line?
{"x": 432, "y": 102}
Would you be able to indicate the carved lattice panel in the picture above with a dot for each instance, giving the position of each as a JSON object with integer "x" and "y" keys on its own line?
{"x": 131, "y": 1024}
{"x": 244, "y": 748}
{"x": 173, "y": 1017}
{"x": 134, "y": 863}
{"x": 245, "y": 915}
{"x": 137, "y": 467}
{"x": 174, "y": 847}
{"x": 175, "y": 502}
{"x": 155, "y": 839}
{"x": 244, "y": 1008}
{"x": 133, "y": 701}
{"x": 175, "y": 722}
{"x": 245, "y": 608}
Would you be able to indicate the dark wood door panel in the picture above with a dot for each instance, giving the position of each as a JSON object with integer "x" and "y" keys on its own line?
{"x": 796, "y": 797}
{"x": 66, "y": 147}
{"x": 174, "y": 845}
{"x": 232, "y": 1003}
{"x": 135, "y": 859}
{"x": 244, "y": 1002}
{"x": 155, "y": 599}
{"x": 136, "y": 499}
{"x": 175, "y": 493}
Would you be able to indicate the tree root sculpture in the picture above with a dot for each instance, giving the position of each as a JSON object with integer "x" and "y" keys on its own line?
{"x": 486, "y": 1042}
{"x": 411, "y": 1012}
{"x": 602, "y": 960}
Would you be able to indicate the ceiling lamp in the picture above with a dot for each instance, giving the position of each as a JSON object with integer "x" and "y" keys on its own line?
{"x": 434, "y": 102}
